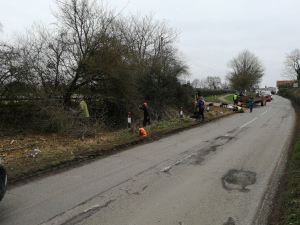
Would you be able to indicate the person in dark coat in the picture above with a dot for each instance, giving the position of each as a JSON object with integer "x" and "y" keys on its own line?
{"x": 146, "y": 114}
{"x": 201, "y": 105}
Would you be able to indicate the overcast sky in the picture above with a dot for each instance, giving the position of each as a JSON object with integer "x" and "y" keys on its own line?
{"x": 212, "y": 31}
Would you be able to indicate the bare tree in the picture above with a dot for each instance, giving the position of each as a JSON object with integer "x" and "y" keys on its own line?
{"x": 213, "y": 82}
{"x": 225, "y": 85}
{"x": 151, "y": 41}
{"x": 92, "y": 50}
{"x": 247, "y": 70}
{"x": 7, "y": 67}
{"x": 86, "y": 29}
{"x": 155, "y": 59}
{"x": 202, "y": 83}
{"x": 14, "y": 72}
{"x": 292, "y": 65}
{"x": 195, "y": 83}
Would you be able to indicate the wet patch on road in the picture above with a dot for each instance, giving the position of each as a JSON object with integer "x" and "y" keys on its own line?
{"x": 230, "y": 221}
{"x": 233, "y": 131}
{"x": 238, "y": 180}
{"x": 220, "y": 141}
{"x": 197, "y": 157}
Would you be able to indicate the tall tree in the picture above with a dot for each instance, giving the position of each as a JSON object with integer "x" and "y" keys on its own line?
{"x": 213, "y": 82}
{"x": 225, "y": 85}
{"x": 292, "y": 65}
{"x": 246, "y": 70}
{"x": 155, "y": 58}
{"x": 86, "y": 28}
{"x": 13, "y": 70}
{"x": 195, "y": 83}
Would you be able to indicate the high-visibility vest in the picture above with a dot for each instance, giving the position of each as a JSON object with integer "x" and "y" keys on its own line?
{"x": 142, "y": 132}
{"x": 235, "y": 97}
{"x": 84, "y": 110}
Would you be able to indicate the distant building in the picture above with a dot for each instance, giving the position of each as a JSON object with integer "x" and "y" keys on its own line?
{"x": 267, "y": 89}
{"x": 283, "y": 82}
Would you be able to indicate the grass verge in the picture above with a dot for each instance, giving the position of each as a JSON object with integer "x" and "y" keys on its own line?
{"x": 156, "y": 126}
{"x": 286, "y": 203}
{"x": 216, "y": 98}
{"x": 229, "y": 98}
{"x": 64, "y": 157}
{"x": 293, "y": 192}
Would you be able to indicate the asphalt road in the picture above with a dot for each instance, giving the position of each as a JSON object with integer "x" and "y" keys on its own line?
{"x": 218, "y": 173}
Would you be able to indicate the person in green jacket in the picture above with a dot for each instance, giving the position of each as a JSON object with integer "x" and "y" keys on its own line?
{"x": 251, "y": 103}
{"x": 83, "y": 110}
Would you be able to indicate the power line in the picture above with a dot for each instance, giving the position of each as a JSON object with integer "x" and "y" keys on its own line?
{"x": 204, "y": 67}
{"x": 200, "y": 60}
{"x": 62, "y": 2}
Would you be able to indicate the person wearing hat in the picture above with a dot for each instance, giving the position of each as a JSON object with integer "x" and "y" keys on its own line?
{"x": 146, "y": 114}
{"x": 83, "y": 110}
{"x": 201, "y": 105}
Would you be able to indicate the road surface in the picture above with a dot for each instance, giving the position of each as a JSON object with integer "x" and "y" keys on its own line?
{"x": 218, "y": 173}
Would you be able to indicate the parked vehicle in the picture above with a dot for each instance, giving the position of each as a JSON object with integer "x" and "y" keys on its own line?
{"x": 3, "y": 181}
{"x": 257, "y": 99}
{"x": 268, "y": 97}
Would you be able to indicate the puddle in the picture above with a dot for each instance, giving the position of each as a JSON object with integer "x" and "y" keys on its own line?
{"x": 222, "y": 140}
{"x": 238, "y": 180}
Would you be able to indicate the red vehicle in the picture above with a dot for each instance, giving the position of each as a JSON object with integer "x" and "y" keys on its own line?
{"x": 268, "y": 97}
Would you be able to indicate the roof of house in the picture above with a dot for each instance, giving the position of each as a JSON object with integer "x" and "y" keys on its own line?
{"x": 267, "y": 88}
{"x": 284, "y": 82}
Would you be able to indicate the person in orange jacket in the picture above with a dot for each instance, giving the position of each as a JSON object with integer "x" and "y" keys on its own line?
{"x": 142, "y": 132}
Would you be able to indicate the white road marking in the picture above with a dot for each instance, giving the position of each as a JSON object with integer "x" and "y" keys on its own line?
{"x": 264, "y": 112}
{"x": 248, "y": 123}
